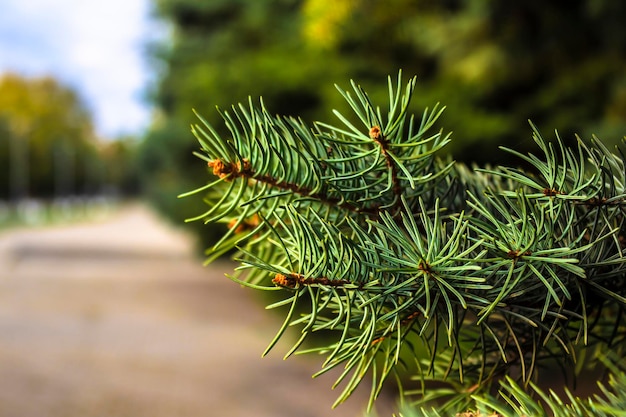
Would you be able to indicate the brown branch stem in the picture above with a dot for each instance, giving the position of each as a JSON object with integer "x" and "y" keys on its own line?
{"x": 231, "y": 171}
{"x": 294, "y": 280}
{"x": 377, "y": 136}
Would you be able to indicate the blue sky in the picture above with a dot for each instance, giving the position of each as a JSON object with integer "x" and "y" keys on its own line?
{"x": 97, "y": 47}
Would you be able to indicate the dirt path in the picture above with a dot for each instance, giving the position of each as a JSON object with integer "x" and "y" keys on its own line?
{"x": 116, "y": 318}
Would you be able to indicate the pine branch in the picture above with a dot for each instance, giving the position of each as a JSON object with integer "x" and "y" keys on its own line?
{"x": 470, "y": 275}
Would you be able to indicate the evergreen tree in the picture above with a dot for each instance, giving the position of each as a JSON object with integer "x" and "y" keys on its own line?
{"x": 464, "y": 284}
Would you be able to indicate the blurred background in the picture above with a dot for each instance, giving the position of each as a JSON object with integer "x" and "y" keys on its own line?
{"x": 96, "y": 101}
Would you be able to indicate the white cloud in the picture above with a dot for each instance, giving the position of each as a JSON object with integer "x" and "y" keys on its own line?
{"x": 95, "y": 46}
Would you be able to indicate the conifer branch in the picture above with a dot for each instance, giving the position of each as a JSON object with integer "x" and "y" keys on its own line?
{"x": 472, "y": 274}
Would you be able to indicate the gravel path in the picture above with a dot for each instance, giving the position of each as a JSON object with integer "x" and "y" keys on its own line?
{"x": 116, "y": 318}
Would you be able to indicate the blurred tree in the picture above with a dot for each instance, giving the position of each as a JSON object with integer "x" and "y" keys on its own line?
{"x": 119, "y": 169}
{"x": 494, "y": 64}
{"x": 47, "y": 140}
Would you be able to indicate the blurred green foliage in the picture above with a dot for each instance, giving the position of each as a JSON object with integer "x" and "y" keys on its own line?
{"x": 493, "y": 64}
{"x": 48, "y": 146}
{"x": 46, "y": 130}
